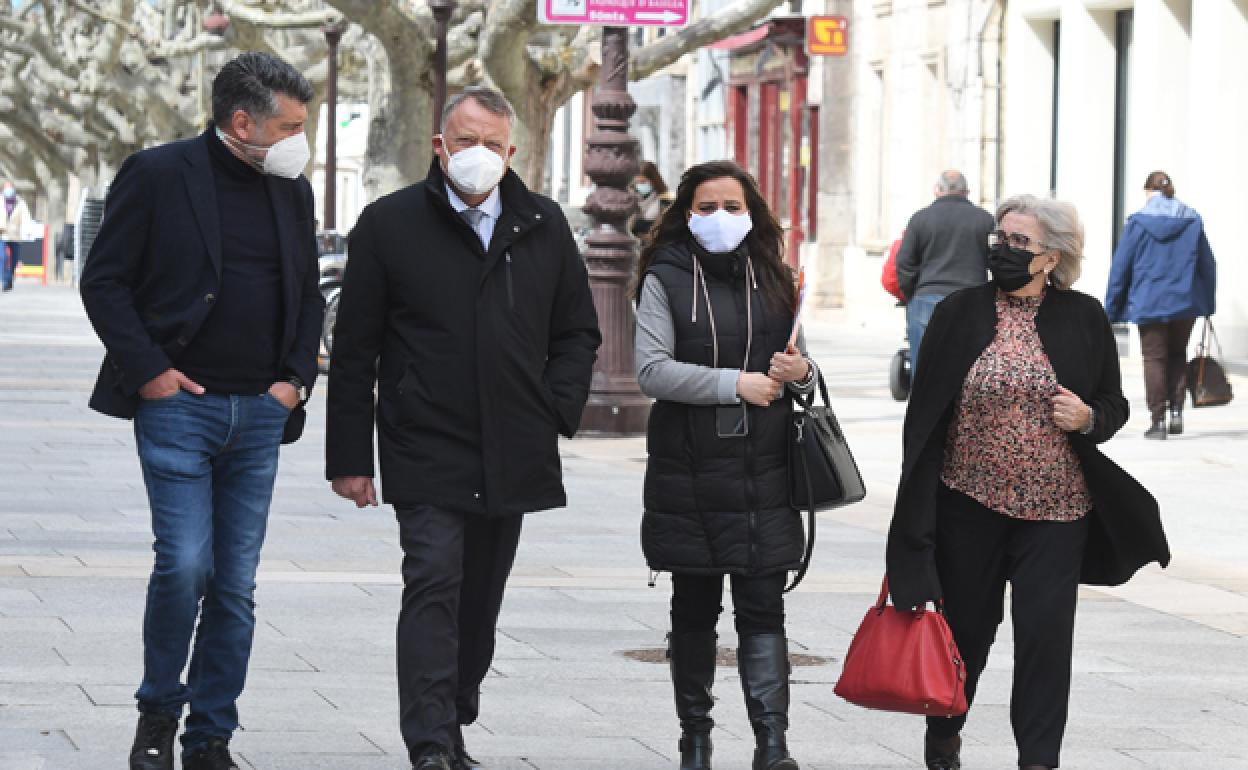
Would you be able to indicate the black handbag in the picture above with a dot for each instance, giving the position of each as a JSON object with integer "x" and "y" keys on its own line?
{"x": 822, "y": 471}
{"x": 1206, "y": 379}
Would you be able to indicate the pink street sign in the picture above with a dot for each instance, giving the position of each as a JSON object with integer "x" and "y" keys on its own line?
{"x": 615, "y": 13}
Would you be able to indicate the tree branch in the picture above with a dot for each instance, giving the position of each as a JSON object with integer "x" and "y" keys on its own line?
{"x": 289, "y": 20}
{"x": 666, "y": 50}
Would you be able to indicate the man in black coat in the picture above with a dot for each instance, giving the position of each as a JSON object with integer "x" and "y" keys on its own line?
{"x": 466, "y": 306}
{"x": 202, "y": 285}
{"x": 945, "y": 248}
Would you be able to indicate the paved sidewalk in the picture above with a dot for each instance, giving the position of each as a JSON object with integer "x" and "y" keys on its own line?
{"x": 1160, "y": 679}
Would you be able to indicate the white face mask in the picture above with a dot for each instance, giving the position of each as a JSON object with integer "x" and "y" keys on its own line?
{"x": 720, "y": 231}
{"x": 286, "y": 158}
{"x": 475, "y": 170}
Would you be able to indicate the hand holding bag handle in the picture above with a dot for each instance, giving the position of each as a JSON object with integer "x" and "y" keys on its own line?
{"x": 905, "y": 661}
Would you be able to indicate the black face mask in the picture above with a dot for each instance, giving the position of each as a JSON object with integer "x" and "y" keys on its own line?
{"x": 1010, "y": 267}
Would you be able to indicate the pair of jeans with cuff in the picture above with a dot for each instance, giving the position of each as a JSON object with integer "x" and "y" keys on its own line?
{"x": 209, "y": 463}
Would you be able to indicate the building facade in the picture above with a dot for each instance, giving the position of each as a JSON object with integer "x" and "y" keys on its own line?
{"x": 1102, "y": 93}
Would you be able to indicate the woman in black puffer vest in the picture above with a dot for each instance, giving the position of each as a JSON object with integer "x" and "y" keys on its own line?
{"x": 714, "y": 314}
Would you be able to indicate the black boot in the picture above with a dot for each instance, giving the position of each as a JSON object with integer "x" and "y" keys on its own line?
{"x": 763, "y": 660}
{"x": 692, "y": 658}
{"x": 942, "y": 753}
{"x": 1157, "y": 430}
{"x": 153, "y": 742}
{"x": 1176, "y": 422}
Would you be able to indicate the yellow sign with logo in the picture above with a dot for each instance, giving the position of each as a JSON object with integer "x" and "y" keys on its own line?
{"x": 827, "y": 35}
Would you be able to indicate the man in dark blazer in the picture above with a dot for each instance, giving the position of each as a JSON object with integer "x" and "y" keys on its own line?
{"x": 945, "y": 248}
{"x": 202, "y": 285}
{"x": 466, "y": 308}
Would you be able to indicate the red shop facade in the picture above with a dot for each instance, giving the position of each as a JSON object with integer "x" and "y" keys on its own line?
{"x": 774, "y": 130}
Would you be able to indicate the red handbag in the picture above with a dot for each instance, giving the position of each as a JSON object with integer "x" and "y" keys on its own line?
{"x": 904, "y": 660}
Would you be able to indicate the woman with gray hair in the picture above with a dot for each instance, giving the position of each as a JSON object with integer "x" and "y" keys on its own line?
{"x": 1002, "y": 481}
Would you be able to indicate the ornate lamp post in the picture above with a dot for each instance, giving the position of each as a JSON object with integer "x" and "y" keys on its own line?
{"x": 329, "y": 221}
{"x": 442, "y": 10}
{"x": 616, "y": 404}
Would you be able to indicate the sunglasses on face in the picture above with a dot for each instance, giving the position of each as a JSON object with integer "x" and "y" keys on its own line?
{"x": 1015, "y": 240}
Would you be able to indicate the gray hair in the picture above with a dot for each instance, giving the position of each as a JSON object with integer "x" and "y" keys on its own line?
{"x": 952, "y": 181}
{"x": 493, "y": 101}
{"x": 1060, "y": 229}
{"x": 251, "y": 82}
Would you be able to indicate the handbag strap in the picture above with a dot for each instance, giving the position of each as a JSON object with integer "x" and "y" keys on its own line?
{"x": 810, "y": 525}
{"x": 1213, "y": 335}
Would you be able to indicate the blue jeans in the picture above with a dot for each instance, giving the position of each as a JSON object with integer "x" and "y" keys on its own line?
{"x": 209, "y": 463}
{"x": 918, "y": 313}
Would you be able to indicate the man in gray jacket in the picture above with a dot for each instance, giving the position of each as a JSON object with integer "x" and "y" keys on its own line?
{"x": 945, "y": 248}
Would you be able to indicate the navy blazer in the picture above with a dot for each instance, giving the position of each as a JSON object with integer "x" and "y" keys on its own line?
{"x": 154, "y": 270}
{"x": 1125, "y": 531}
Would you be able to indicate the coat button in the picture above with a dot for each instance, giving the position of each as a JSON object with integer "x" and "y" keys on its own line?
{"x": 476, "y": 495}
{"x": 183, "y": 341}
{"x": 516, "y": 228}
{"x": 210, "y": 298}
{"x": 539, "y": 216}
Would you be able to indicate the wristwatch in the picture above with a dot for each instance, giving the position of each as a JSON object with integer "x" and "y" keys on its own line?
{"x": 300, "y": 389}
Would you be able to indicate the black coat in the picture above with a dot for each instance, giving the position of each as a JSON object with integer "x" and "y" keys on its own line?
{"x": 945, "y": 248}
{"x": 1125, "y": 532}
{"x": 480, "y": 358}
{"x": 154, "y": 270}
{"x": 716, "y": 505}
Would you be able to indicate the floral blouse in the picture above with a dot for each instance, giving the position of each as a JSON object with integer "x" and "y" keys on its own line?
{"x": 1004, "y": 449}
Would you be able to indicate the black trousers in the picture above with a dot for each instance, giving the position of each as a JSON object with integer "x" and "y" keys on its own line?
{"x": 757, "y": 603}
{"x": 455, "y": 569}
{"x": 1163, "y": 347}
{"x": 977, "y": 551}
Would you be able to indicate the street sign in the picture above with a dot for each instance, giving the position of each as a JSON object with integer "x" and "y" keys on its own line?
{"x": 827, "y": 35}
{"x": 615, "y": 13}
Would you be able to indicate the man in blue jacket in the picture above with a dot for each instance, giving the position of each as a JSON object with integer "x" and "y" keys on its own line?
{"x": 1162, "y": 279}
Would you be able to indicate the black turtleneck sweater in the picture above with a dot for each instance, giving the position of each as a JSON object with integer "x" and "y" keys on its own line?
{"x": 237, "y": 350}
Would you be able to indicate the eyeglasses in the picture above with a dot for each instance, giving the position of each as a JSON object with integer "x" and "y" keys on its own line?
{"x": 1015, "y": 240}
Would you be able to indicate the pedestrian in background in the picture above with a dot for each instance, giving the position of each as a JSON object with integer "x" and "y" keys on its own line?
{"x": 944, "y": 248}
{"x": 654, "y": 195}
{"x": 715, "y": 304}
{"x": 202, "y": 285}
{"x": 466, "y": 309}
{"x": 1002, "y": 481}
{"x": 13, "y": 218}
{"x": 1162, "y": 279}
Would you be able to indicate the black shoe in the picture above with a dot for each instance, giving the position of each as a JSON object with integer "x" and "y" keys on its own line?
{"x": 691, "y": 655}
{"x": 214, "y": 755}
{"x": 1034, "y": 767}
{"x": 1176, "y": 428}
{"x": 763, "y": 662}
{"x": 942, "y": 753}
{"x": 1157, "y": 431}
{"x": 153, "y": 742}
{"x": 434, "y": 759}
{"x": 462, "y": 760}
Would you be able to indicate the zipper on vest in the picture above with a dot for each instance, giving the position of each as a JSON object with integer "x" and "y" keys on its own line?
{"x": 751, "y": 499}
{"x": 511, "y": 292}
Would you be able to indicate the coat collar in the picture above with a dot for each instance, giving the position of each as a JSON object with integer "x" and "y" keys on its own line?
{"x": 203, "y": 193}
{"x": 521, "y": 212}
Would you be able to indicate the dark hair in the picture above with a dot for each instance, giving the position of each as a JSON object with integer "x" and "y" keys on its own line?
{"x": 651, "y": 172}
{"x": 764, "y": 244}
{"x": 493, "y": 101}
{"x": 250, "y": 82}
{"x": 1160, "y": 180}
